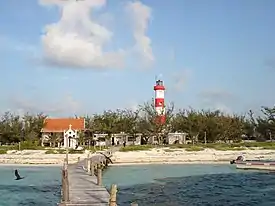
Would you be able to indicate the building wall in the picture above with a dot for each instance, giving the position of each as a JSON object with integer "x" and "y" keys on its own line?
{"x": 102, "y": 140}
{"x": 176, "y": 138}
{"x": 134, "y": 140}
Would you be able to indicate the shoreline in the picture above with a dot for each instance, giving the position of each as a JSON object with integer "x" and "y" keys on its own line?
{"x": 28, "y": 165}
{"x": 117, "y": 164}
{"x": 158, "y": 156}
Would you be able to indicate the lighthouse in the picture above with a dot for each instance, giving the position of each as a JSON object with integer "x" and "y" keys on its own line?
{"x": 159, "y": 101}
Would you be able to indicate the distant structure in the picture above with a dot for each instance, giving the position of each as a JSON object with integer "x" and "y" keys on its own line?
{"x": 65, "y": 131}
{"x": 159, "y": 101}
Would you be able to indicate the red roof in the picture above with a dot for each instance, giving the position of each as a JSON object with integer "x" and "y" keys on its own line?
{"x": 61, "y": 124}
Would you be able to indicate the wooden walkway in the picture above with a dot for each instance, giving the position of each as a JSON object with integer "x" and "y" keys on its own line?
{"x": 83, "y": 187}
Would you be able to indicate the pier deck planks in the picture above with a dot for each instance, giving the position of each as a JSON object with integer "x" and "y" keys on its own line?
{"x": 83, "y": 190}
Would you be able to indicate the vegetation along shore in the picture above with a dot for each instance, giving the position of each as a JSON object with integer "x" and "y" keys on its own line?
{"x": 212, "y": 136}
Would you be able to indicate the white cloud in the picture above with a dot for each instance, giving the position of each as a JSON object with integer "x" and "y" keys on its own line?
{"x": 76, "y": 40}
{"x": 79, "y": 41}
{"x": 140, "y": 15}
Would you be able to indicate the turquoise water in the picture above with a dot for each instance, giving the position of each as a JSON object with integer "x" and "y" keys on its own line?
{"x": 161, "y": 185}
{"x": 40, "y": 187}
{"x": 205, "y": 185}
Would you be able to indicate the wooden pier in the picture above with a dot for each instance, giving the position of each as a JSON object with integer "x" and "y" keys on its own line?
{"x": 82, "y": 183}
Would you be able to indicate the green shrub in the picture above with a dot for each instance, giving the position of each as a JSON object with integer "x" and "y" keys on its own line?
{"x": 230, "y": 148}
{"x": 3, "y": 151}
{"x": 30, "y": 146}
{"x": 52, "y": 151}
{"x": 72, "y": 151}
{"x": 169, "y": 150}
{"x": 175, "y": 146}
{"x": 96, "y": 148}
{"x": 62, "y": 151}
{"x": 136, "y": 148}
{"x": 194, "y": 149}
{"x": 9, "y": 147}
{"x": 269, "y": 147}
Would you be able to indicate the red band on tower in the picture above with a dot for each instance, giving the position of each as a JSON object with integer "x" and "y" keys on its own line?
{"x": 159, "y": 101}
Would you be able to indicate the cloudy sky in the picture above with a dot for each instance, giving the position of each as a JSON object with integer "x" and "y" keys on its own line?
{"x": 66, "y": 57}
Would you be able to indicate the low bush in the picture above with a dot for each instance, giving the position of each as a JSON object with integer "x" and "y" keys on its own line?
{"x": 62, "y": 151}
{"x": 23, "y": 146}
{"x": 72, "y": 151}
{"x": 175, "y": 146}
{"x": 9, "y": 147}
{"x": 136, "y": 148}
{"x": 194, "y": 149}
{"x": 269, "y": 147}
{"x": 230, "y": 148}
{"x": 54, "y": 151}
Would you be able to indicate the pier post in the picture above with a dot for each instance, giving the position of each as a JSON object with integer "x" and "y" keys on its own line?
{"x": 65, "y": 183}
{"x": 89, "y": 166}
{"x": 113, "y": 192}
{"x": 92, "y": 169}
{"x": 99, "y": 175}
{"x": 87, "y": 159}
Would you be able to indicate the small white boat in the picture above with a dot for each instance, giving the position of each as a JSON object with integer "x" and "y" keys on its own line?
{"x": 241, "y": 163}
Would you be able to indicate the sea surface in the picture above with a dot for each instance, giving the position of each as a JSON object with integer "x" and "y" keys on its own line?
{"x": 40, "y": 187}
{"x": 161, "y": 185}
{"x": 205, "y": 185}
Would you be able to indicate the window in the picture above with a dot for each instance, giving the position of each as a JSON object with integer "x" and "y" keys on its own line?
{"x": 159, "y": 83}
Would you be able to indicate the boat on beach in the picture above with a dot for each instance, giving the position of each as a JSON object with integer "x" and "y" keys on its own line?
{"x": 241, "y": 163}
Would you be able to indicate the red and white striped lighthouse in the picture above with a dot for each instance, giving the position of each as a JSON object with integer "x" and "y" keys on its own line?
{"x": 159, "y": 101}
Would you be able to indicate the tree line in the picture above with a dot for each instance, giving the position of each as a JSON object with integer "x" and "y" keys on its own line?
{"x": 200, "y": 125}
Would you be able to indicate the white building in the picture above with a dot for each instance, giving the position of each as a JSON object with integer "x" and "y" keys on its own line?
{"x": 64, "y": 131}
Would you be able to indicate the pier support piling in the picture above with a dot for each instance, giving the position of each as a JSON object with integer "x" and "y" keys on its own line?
{"x": 113, "y": 192}
{"x": 92, "y": 169}
{"x": 65, "y": 183}
{"x": 89, "y": 166}
{"x": 99, "y": 175}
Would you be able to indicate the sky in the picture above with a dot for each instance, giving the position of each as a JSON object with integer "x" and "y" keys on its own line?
{"x": 66, "y": 57}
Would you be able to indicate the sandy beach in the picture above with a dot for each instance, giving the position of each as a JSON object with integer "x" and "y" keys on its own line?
{"x": 180, "y": 156}
{"x": 153, "y": 156}
{"x": 37, "y": 157}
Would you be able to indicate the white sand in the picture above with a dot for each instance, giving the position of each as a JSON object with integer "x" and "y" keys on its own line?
{"x": 154, "y": 156}
{"x": 179, "y": 156}
{"x": 37, "y": 157}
